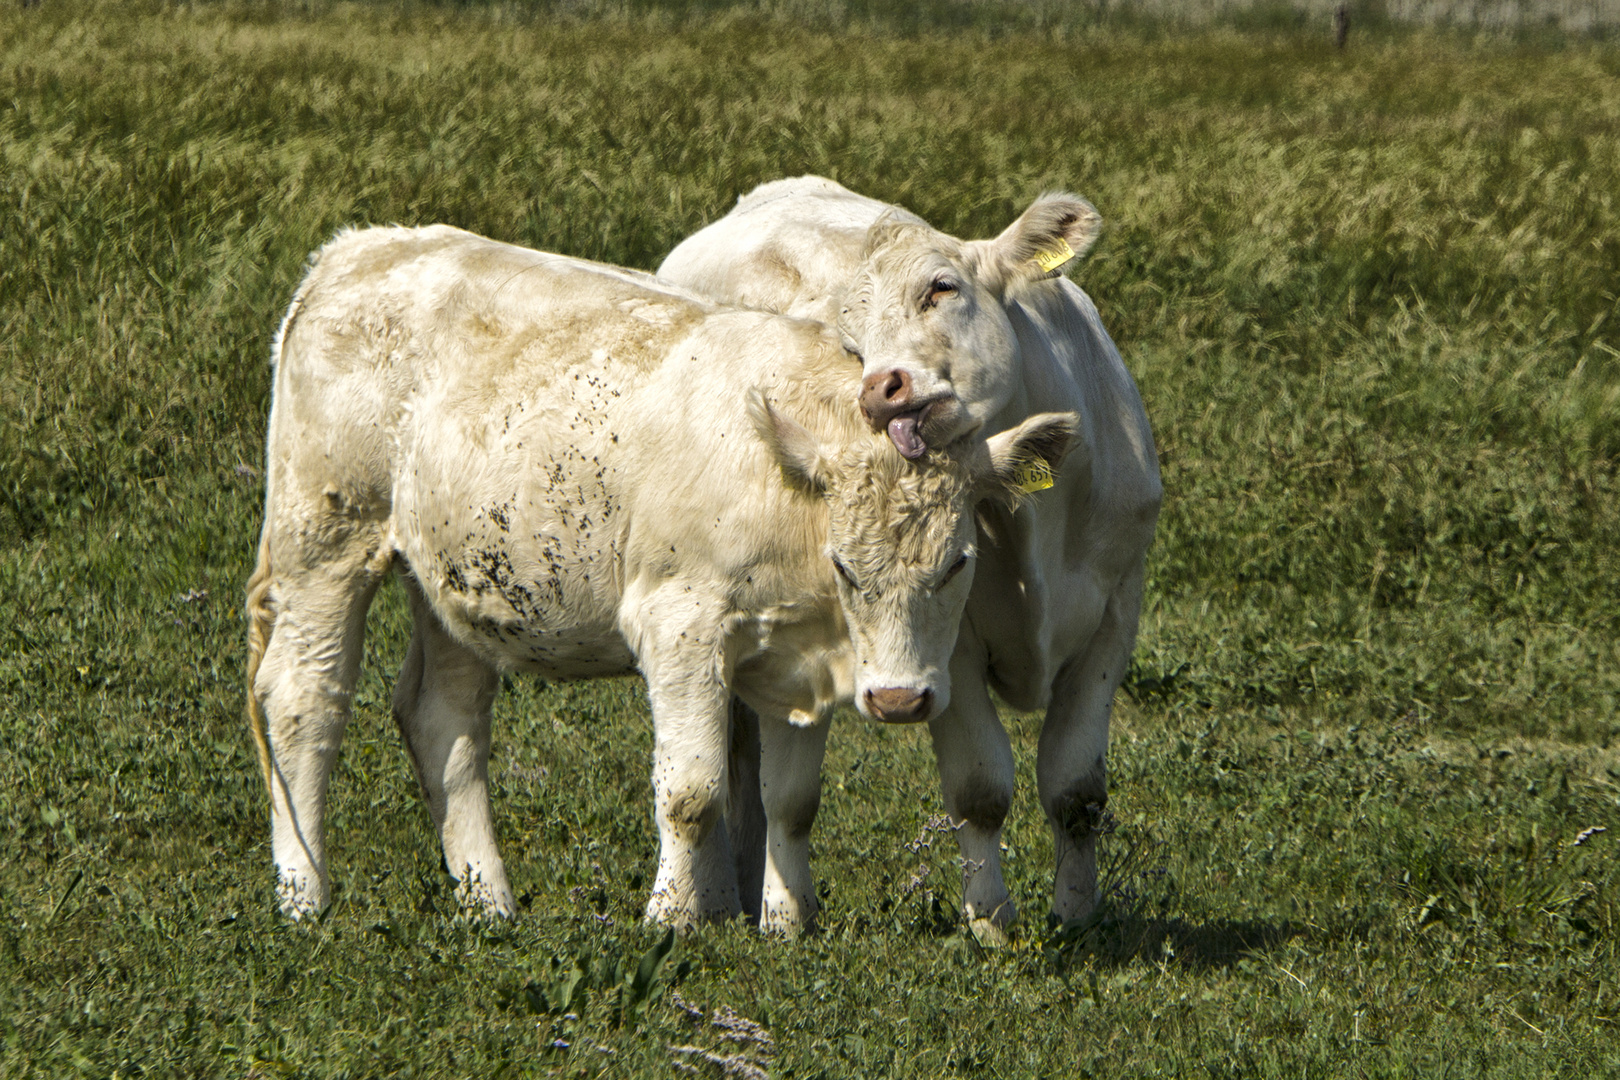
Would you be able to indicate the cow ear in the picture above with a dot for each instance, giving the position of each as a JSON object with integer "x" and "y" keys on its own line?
{"x": 1025, "y": 458}
{"x": 1057, "y": 229}
{"x": 798, "y": 452}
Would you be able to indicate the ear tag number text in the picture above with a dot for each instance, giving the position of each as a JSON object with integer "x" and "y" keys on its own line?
{"x": 1049, "y": 259}
{"x": 1035, "y": 476}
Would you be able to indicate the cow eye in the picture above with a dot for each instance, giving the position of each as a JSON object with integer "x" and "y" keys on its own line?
{"x": 938, "y": 289}
{"x": 956, "y": 568}
{"x": 843, "y": 573}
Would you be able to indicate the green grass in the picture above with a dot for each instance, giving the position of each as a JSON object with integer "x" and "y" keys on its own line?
{"x": 1371, "y": 301}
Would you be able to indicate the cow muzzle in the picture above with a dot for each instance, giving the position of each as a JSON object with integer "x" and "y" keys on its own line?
{"x": 890, "y": 404}
{"x": 885, "y": 395}
{"x": 900, "y": 705}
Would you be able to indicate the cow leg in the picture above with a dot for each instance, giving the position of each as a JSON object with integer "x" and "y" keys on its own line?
{"x": 790, "y": 788}
{"x": 691, "y": 706}
{"x": 304, "y": 684}
{"x": 696, "y": 879}
{"x": 745, "y": 813}
{"x": 442, "y": 704}
{"x": 976, "y": 778}
{"x": 1071, "y": 763}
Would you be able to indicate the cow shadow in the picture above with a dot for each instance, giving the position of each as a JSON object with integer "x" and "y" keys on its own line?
{"x": 1115, "y": 938}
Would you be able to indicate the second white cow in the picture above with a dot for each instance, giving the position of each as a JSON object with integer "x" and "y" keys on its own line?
{"x": 961, "y": 336}
{"x": 578, "y": 472}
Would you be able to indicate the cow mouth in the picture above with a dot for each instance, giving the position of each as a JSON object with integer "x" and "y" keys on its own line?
{"x": 905, "y": 431}
{"x": 915, "y": 431}
{"x": 915, "y": 427}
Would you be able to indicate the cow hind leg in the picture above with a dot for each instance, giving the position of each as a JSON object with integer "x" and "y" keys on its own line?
{"x": 976, "y": 779}
{"x": 305, "y": 650}
{"x": 442, "y": 704}
{"x": 1071, "y": 763}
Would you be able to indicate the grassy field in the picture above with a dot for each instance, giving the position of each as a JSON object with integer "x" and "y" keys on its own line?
{"x": 1371, "y": 299}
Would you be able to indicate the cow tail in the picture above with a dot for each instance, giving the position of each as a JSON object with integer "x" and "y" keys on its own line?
{"x": 261, "y": 619}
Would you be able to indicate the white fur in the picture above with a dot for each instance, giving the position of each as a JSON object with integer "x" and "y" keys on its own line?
{"x": 559, "y": 458}
{"x": 1052, "y": 616}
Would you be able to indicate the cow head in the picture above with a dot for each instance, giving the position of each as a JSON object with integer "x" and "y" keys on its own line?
{"x": 925, "y": 313}
{"x": 900, "y": 544}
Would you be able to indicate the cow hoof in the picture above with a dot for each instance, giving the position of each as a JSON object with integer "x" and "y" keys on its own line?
{"x": 661, "y": 912}
{"x": 301, "y": 909}
{"x": 681, "y": 918}
{"x": 784, "y": 927}
{"x": 988, "y": 934}
{"x": 787, "y": 914}
{"x": 480, "y": 905}
{"x": 300, "y": 896}
{"x": 483, "y": 894}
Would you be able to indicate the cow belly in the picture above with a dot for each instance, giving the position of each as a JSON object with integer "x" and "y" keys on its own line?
{"x": 522, "y": 606}
{"x": 528, "y": 579}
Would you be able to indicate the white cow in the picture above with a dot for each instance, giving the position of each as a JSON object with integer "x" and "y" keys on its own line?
{"x": 962, "y": 336}
{"x": 580, "y": 472}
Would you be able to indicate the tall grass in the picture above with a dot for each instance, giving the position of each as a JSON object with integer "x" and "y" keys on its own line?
{"x": 1371, "y": 301}
{"x": 1543, "y": 19}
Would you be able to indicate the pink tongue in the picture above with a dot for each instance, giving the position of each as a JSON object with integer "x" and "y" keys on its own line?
{"x": 903, "y": 433}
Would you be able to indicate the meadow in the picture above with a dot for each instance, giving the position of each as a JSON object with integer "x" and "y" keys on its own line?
{"x": 1366, "y": 768}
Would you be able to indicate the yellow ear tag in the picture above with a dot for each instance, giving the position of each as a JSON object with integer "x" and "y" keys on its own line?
{"x": 1053, "y": 257}
{"x": 1035, "y": 476}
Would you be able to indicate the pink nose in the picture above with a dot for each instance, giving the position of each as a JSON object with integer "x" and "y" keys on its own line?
{"x": 884, "y": 396}
{"x": 898, "y": 705}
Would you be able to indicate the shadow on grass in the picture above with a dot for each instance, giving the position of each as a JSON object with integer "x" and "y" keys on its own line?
{"x": 1116, "y": 939}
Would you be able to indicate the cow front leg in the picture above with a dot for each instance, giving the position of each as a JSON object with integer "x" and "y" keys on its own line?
{"x": 1071, "y": 762}
{"x": 680, "y": 651}
{"x": 442, "y": 704}
{"x": 790, "y": 788}
{"x": 976, "y": 779}
{"x": 696, "y": 880}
